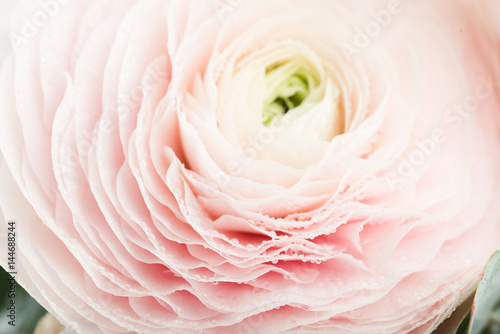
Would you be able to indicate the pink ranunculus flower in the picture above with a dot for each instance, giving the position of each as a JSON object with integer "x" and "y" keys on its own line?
{"x": 262, "y": 166}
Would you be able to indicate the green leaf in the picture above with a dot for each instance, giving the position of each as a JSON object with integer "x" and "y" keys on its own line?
{"x": 27, "y": 310}
{"x": 486, "y": 310}
{"x": 464, "y": 326}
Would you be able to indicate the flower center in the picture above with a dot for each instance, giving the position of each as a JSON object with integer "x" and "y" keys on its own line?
{"x": 287, "y": 86}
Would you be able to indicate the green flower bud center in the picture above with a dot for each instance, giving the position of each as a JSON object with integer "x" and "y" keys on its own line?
{"x": 287, "y": 86}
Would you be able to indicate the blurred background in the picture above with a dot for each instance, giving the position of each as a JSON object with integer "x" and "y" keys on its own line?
{"x": 28, "y": 311}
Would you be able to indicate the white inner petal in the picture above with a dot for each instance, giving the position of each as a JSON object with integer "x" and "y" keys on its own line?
{"x": 320, "y": 121}
{"x": 264, "y": 77}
